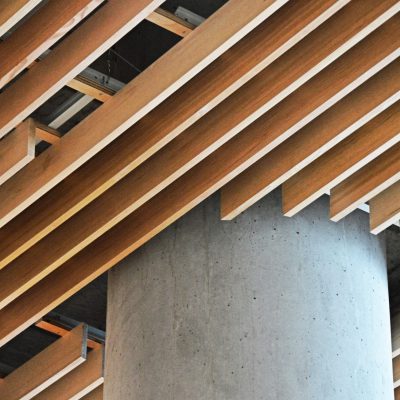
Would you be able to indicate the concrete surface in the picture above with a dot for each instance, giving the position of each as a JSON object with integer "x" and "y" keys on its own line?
{"x": 261, "y": 308}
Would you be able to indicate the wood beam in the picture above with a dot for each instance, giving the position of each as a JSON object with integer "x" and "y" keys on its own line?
{"x": 170, "y": 22}
{"x": 28, "y": 42}
{"x": 46, "y": 133}
{"x": 59, "y": 331}
{"x": 202, "y": 93}
{"x": 317, "y": 137}
{"x": 70, "y": 57}
{"x": 17, "y": 149}
{"x": 96, "y": 394}
{"x": 187, "y": 150}
{"x": 366, "y": 183}
{"x": 385, "y": 209}
{"x": 79, "y": 382}
{"x": 343, "y": 160}
{"x": 13, "y": 11}
{"x": 396, "y": 372}
{"x": 158, "y": 213}
{"x": 47, "y": 367}
{"x": 176, "y": 67}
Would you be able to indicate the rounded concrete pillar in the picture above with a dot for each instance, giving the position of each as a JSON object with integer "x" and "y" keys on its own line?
{"x": 261, "y": 308}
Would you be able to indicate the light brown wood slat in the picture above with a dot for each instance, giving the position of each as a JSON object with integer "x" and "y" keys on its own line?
{"x": 396, "y": 372}
{"x": 222, "y": 30}
{"x": 59, "y": 331}
{"x": 90, "y": 88}
{"x": 343, "y": 160}
{"x": 17, "y": 149}
{"x": 96, "y": 394}
{"x": 178, "y": 198}
{"x": 397, "y": 394}
{"x": 12, "y": 11}
{"x": 142, "y": 140}
{"x": 349, "y": 114}
{"x": 385, "y": 209}
{"x": 28, "y": 42}
{"x": 46, "y": 133}
{"x": 366, "y": 183}
{"x": 79, "y": 382}
{"x": 170, "y": 22}
{"x": 182, "y": 154}
{"x": 70, "y": 57}
{"x": 47, "y": 367}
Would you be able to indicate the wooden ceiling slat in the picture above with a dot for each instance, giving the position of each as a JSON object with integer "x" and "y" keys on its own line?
{"x": 343, "y": 160}
{"x": 28, "y": 42}
{"x": 176, "y": 67}
{"x": 79, "y": 382}
{"x": 198, "y": 183}
{"x": 311, "y": 142}
{"x": 385, "y": 208}
{"x": 204, "y": 92}
{"x": 47, "y": 367}
{"x": 188, "y": 149}
{"x": 96, "y": 394}
{"x": 17, "y": 149}
{"x": 366, "y": 183}
{"x": 12, "y": 11}
{"x": 170, "y": 22}
{"x": 70, "y": 57}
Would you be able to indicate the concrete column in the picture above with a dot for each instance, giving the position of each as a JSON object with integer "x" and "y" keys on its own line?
{"x": 261, "y": 308}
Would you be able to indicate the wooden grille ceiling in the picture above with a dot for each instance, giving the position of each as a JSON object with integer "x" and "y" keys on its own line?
{"x": 303, "y": 94}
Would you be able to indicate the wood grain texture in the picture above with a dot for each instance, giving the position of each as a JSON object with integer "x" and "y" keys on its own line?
{"x": 59, "y": 331}
{"x": 317, "y": 137}
{"x": 201, "y": 94}
{"x": 47, "y": 367}
{"x": 183, "y": 153}
{"x": 366, "y": 183}
{"x": 12, "y": 11}
{"x": 44, "y": 79}
{"x": 396, "y": 372}
{"x": 385, "y": 209}
{"x": 222, "y": 30}
{"x": 170, "y": 22}
{"x": 79, "y": 382}
{"x": 343, "y": 160}
{"x": 46, "y": 133}
{"x": 163, "y": 209}
{"x": 96, "y": 394}
{"x": 28, "y": 42}
{"x": 17, "y": 149}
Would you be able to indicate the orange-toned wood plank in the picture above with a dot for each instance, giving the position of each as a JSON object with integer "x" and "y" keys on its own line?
{"x": 222, "y": 30}
{"x": 127, "y": 150}
{"x": 96, "y": 394}
{"x": 17, "y": 149}
{"x": 28, "y": 42}
{"x": 294, "y": 154}
{"x": 183, "y": 153}
{"x": 82, "y": 85}
{"x": 12, "y": 11}
{"x": 396, "y": 372}
{"x": 70, "y": 57}
{"x": 178, "y": 198}
{"x": 59, "y": 331}
{"x": 343, "y": 160}
{"x": 385, "y": 209}
{"x": 46, "y": 133}
{"x": 47, "y": 367}
{"x": 170, "y": 22}
{"x": 79, "y": 382}
{"x": 366, "y": 183}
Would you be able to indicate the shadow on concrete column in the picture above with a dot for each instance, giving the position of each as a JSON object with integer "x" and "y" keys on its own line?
{"x": 260, "y": 308}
